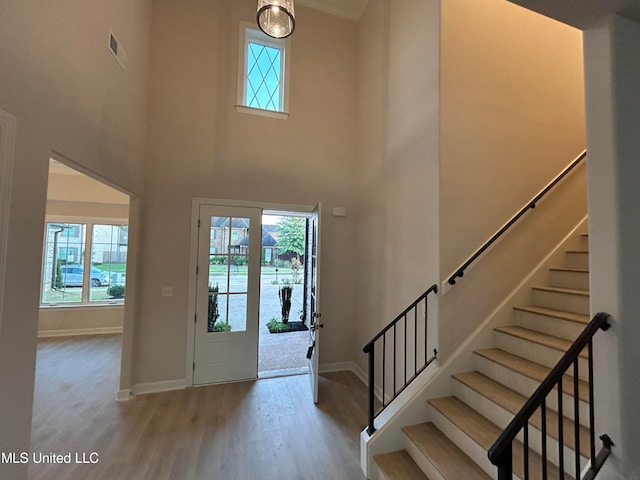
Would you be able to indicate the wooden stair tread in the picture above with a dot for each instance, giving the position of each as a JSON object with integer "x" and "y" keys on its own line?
{"x": 485, "y": 433}
{"x": 552, "y": 312}
{"x": 450, "y": 461}
{"x": 532, "y": 370}
{"x": 399, "y": 466}
{"x": 513, "y": 401}
{"x": 569, "y": 269}
{"x": 550, "y": 341}
{"x": 568, "y": 291}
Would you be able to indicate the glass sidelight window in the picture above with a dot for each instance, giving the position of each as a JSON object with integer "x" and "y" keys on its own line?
{"x": 228, "y": 274}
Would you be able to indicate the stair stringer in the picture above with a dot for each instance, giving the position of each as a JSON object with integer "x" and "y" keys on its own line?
{"x": 410, "y": 407}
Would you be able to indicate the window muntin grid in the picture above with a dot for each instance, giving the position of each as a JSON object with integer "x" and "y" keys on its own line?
{"x": 264, "y": 77}
{"x": 263, "y": 74}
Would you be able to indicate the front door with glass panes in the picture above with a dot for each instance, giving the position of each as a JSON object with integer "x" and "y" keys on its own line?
{"x": 227, "y": 299}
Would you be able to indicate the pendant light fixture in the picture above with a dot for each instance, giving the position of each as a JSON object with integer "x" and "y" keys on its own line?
{"x": 276, "y": 18}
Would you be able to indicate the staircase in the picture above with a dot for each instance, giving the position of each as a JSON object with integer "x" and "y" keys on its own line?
{"x": 465, "y": 425}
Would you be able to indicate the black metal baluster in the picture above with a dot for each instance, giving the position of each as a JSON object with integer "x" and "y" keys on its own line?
{"x": 543, "y": 412}
{"x": 371, "y": 428}
{"x": 505, "y": 466}
{"x": 560, "y": 431}
{"x": 576, "y": 426}
{"x": 395, "y": 341}
{"x": 415, "y": 340}
{"x": 384, "y": 368}
{"x": 526, "y": 451}
{"x": 405, "y": 349}
{"x": 592, "y": 427}
{"x": 425, "y": 331}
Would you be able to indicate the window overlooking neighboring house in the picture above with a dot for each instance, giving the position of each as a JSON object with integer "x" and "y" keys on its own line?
{"x": 72, "y": 231}
{"x": 84, "y": 263}
{"x": 263, "y": 74}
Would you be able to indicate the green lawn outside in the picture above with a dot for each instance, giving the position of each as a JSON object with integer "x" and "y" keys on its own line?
{"x": 112, "y": 267}
{"x": 74, "y": 295}
{"x": 242, "y": 270}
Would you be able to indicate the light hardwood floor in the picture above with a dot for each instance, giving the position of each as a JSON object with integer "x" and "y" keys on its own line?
{"x": 267, "y": 429}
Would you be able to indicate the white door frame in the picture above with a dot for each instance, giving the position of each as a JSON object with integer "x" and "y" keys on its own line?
{"x": 125, "y": 388}
{"x": 193, "y": 260}
{"x": 8, "y": 125}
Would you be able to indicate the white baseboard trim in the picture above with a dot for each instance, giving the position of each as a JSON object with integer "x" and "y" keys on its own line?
{"x": 344, "y": 367}
{"x": 124, "y": 395}
{"x": 349, "y": 367}
{"x": 156, "y": 387}
{"x": 336, "y": 367}
{"x": 72, "y": 332}
{"x": 165, "y": 386}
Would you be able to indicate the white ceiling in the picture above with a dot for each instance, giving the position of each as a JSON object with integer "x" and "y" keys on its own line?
{"x": 351, "y": 9}
{"x": 61, "y": 169}
{"x": 70, "y": 185}
{"x": 582, "y": 13}
{"x": 579, "y": 13}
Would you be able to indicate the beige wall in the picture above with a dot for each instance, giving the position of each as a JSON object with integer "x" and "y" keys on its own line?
{"x": 78, "y": 195}
{"x": 512, "y": 117}
{"x": 80, "y": 320}
{"x": 80, "y": 188}
{"x": 70, "y": 96}
{"x": 398, "y": 160}
{"x": 88, "y": 209}
{"x": 200, "y": 146}
{"x": 613, "y": 116}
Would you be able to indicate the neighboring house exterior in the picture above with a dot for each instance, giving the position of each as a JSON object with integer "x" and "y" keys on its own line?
{"x": 269, "y": 247}
{"x": 237, "y": 238}
{"x": 363, "y": 132}
{"x": 223, "y": 237}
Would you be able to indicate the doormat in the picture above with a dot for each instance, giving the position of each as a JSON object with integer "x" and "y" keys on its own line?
{"x": 292, "y": 327}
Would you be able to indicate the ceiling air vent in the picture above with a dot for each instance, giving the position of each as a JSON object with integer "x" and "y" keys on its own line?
{"x": 116, "y": 49}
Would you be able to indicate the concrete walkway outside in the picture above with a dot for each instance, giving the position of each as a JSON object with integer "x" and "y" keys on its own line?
{"x": 280, "y": 351}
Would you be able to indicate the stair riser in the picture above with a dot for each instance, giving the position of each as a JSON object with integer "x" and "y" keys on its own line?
{"x": 526, "y": 386}
{"x": 502, "y": 418}
{"x": 534, "y": 352}
{"x": 563, "y": 279}
{"x": 549, "y": 325}
{"x": 491, "y": 411}
{"x": 422, "y": 461}
{"x": 577, "y": 260}
{"x": 584, "y": 242}
{"x": 463, "y": 441}
{"x": 561, "y": 301}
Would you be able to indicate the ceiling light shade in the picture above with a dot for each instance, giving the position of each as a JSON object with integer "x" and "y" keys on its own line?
{"x": 276, "y": 18}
